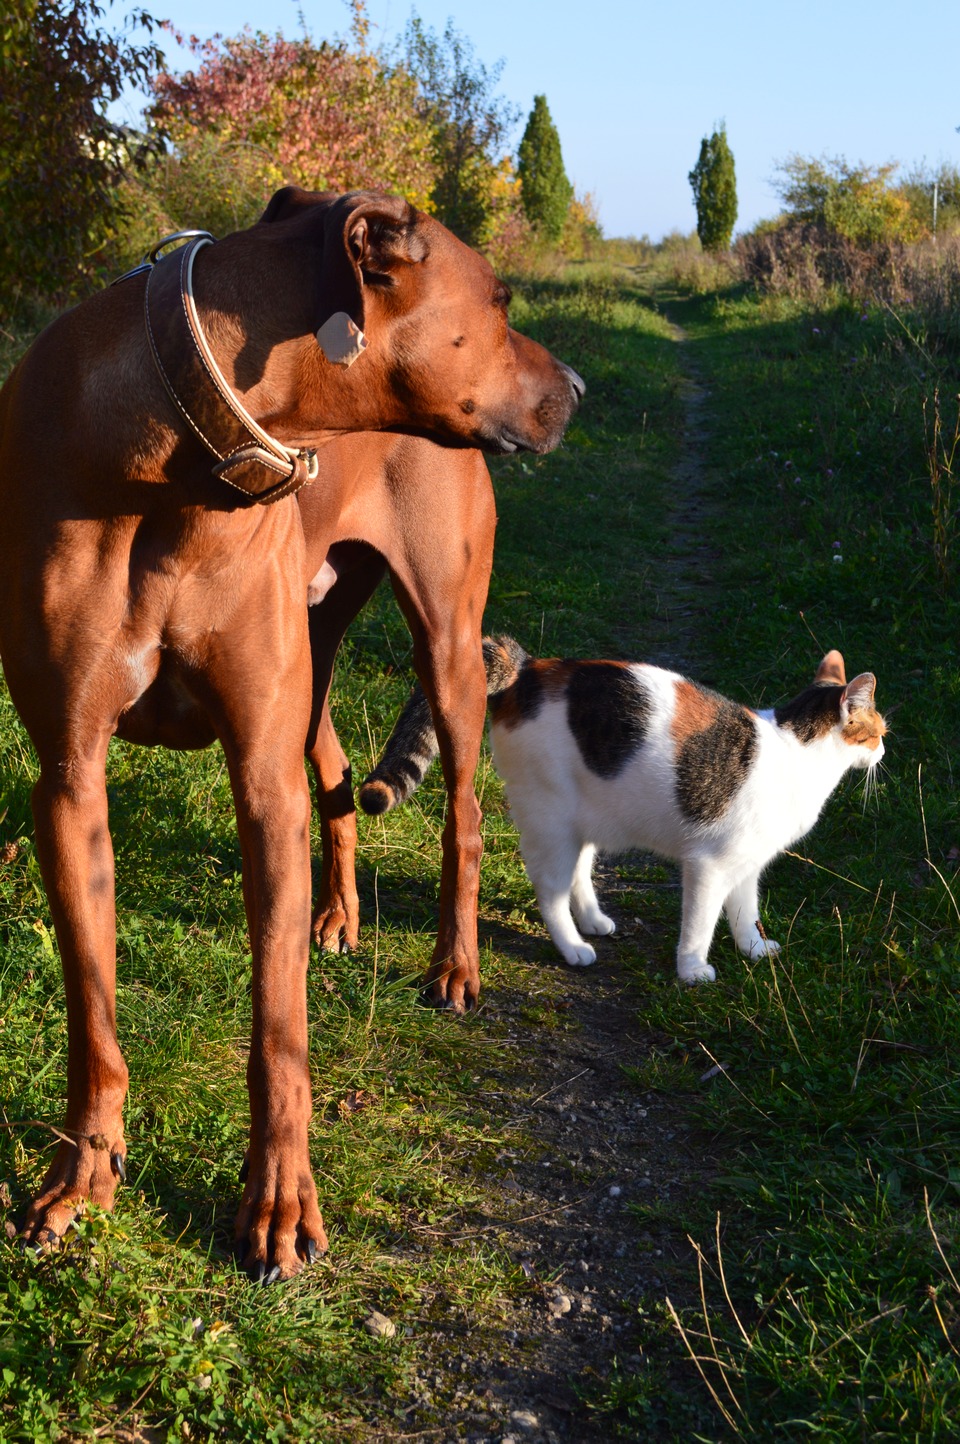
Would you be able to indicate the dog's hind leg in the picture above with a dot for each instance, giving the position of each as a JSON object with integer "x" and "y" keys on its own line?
{"x": 455, "y": 682}
{"x": 336, "y": 917}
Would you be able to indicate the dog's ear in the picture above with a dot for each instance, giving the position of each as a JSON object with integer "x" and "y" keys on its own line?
{"x": 382, "y": 236}
{"x": 366, "y": 237}
{"x": 291, "y": 201}
{"x": 375, "y": 236}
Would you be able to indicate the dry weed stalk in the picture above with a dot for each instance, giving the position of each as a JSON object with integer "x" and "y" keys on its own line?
{"x": 724, "y": 1366}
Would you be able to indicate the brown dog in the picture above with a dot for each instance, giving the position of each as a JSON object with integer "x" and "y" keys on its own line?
{"x": 427, "y": 513}
{"x": 149, "y": 595}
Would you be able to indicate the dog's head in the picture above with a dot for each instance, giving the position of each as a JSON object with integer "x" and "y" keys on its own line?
{"x": 413, "y": 328}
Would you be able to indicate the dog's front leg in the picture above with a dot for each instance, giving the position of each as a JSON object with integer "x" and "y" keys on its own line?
{"x": 440, "y": 576}
{"x": 261, "y": 709}
{"x": 76, "y": 860}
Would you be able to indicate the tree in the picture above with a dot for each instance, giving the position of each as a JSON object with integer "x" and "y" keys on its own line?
{"x": 714, "y": 183}
{"x": 327, "y": 116}
{"x": 60, "y": 156}
{"x": 468, "y": 121}
{"x": 919, "y": 187}
{"x": 546, "y": 191}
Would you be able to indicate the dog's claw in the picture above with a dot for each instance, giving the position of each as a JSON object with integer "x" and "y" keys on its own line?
{"x": 265, "y": 1276}
{"x": 311, "y": 1250}
{"x": 43, "y": 1241}
{"x": 119, "y": 1166}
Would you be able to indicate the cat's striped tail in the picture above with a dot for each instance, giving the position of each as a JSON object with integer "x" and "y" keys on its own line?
{"x": 412, "y": 745}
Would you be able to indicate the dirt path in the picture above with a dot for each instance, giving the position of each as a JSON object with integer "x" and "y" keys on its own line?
{"x": 590, "y": 1149}
{"x": 686, "y": 572}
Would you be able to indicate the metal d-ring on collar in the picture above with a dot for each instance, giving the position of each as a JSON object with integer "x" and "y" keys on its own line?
{"x": 248, "y": 457}
{"x": 153, "y": 256}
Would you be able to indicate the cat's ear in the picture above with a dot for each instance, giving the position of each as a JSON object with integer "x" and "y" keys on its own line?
{"x": 858, "y": 694}
{"x": 831, "y": 669}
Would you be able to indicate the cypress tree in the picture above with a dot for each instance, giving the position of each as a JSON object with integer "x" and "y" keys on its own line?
{"x": 546, "y": 191}
{"x": 714, "y": 184}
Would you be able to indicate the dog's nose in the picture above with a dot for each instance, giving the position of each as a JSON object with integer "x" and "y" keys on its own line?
{"x": 577, "y": 384}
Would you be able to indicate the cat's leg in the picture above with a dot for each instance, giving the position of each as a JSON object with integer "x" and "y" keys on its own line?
{"x": 583, "y": 897}
{"x": 742, "y": 908}
{"x": 704, "y": 889}
{"x": 551, "y": 863}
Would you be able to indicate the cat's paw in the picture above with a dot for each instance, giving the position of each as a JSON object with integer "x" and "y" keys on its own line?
{"x": 598, "y": 925}
{"x": 761, "y": 948}
{"x": 578, "y": 955}
{"x": 695, "y": 970}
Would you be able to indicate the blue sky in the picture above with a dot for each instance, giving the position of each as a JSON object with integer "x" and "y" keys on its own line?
{"x": 633, "y": 87}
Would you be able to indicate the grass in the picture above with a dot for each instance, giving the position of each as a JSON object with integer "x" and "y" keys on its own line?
{"x": 829, "y": 1274}
{"x": 828, "y": 1247}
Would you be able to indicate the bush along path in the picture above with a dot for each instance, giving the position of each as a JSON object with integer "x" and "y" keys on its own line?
{"x": 603, "y": 1207}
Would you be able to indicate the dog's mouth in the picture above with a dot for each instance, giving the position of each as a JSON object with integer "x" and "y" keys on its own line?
{"x": 550, "y": 419}
{"x": 501, "y": 441}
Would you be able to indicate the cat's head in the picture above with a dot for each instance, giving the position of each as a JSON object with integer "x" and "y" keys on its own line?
{"x": 832, "y": 707}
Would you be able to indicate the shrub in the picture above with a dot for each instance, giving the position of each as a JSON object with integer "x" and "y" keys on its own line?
{"x": 858, "y": 203}
{"x": 466, "y": 124}
{"x": 582, "y": 237}
{"x": 918, "y": 187}
{"x": 327, "y": 116}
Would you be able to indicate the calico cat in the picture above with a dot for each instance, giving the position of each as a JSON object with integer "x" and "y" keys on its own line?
{"x": 613, "y": 755}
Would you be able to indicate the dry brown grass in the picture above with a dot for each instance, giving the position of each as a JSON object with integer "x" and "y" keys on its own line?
{"x": 921, "y": 282}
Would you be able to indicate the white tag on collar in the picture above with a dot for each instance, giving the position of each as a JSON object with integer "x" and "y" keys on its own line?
{"x": 340, "y": 339}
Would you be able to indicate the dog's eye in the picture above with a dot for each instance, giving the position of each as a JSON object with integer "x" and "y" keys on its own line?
{"x": 501, "y": 296}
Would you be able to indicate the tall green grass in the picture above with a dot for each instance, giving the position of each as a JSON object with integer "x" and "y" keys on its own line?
{"x": 828, "y": 1247}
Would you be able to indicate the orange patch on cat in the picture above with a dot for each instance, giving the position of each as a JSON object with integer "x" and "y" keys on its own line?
{"x": 544, "y": 677}
{"x": 553, "y": 673}
{"x": 694, "y": 711}
{"x": 865, "y": 729}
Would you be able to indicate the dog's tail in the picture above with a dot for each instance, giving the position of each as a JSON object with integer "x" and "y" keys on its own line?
{"x": 412, "y": 745}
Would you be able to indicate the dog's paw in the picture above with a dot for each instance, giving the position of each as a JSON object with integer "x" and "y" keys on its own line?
{"x": 452, "y": 983}
{"x": 85, "y": 1171}
{"x": 279, "y": 1230}
{"x": 335, "y": 927}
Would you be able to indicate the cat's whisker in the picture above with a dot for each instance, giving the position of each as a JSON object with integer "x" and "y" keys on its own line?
{"x": 871, "y": 782}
